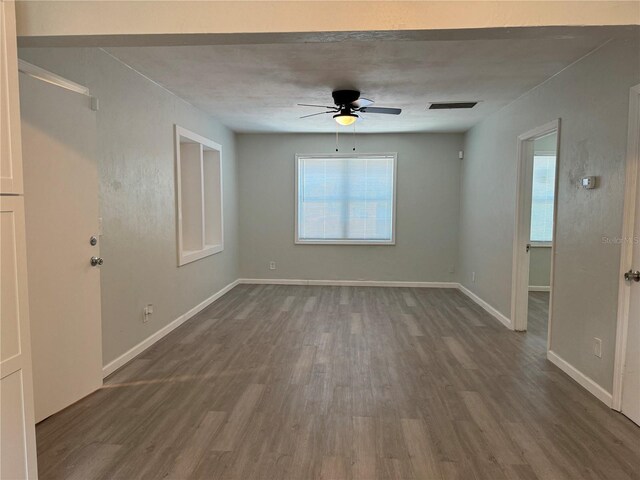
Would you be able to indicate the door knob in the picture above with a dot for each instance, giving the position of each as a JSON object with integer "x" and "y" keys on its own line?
{"x": 96, "y": 261}
{"x": 631, "y": 275}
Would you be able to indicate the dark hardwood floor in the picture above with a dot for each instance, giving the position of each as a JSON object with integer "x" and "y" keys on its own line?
{"x": 537, "y": 321}
{"x": 292, "y": 382}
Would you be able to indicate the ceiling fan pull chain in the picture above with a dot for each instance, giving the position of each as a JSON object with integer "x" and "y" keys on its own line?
{"x": 336, "y": 138}
{"x": 354, "y": 136}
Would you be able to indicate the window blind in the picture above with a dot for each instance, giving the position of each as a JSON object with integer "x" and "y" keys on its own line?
{"x": 346, "y": 199}
{"x": 544, "y": 179}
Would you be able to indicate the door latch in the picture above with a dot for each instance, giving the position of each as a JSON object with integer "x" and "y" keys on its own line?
{"x": 632, "y": 276}
{"x": 528, "y": 247}
{"x": 96, "y": 261}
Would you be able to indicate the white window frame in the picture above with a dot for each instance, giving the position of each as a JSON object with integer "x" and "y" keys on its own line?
{"x": 544, "y": 243}
{"x": 188, "y": 256}
{"x": 392, "y": 155}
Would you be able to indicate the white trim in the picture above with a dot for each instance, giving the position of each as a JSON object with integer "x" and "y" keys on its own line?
{"x": 52, "y": 78}
{"x": 541, "y": 244}
{"x": 626, "y": 249}
{"x": 183, "y": 132}
{"x": 344, "y": 242}
{"x": 584, "y": 381}
{"x": 129, "y": 355}
{"x": 539, "y": 288}
{"x": 489, "y": 308}
{"x": 296, "y": 238}
{"x": 346, "y": 283}
{"x": 522, "y": 225}
{"x": 188, "y": 256}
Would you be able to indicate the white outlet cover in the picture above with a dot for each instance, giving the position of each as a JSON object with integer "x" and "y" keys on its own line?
{"x": 597, "y": 347}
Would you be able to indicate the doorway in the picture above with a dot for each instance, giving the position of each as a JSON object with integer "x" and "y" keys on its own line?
{"x": 533, "y": 252}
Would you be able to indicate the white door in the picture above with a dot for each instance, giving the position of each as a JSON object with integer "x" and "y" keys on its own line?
{"x": 17, "y": 425}
{"x": 630, "y": 405}
{"x": 631, "y": 372}
{"x": 61, "y": 192}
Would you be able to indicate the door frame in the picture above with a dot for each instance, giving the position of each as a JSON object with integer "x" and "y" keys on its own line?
{"x": 521, "y": 258}
{"x": 631, "y": 191}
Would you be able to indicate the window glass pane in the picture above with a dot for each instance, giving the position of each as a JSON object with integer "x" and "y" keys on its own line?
{"x": 345, "y": 198}
{"x": 544, "y": 177}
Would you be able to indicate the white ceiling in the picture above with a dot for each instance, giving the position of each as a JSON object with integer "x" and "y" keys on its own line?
{"x": 255, "y": 88}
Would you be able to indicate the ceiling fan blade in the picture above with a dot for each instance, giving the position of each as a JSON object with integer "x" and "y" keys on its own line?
{"x": 388, "y": 111}
{"x": 361, "y": 103}
{"x": 314, "y": 114}
{"x": 310, "y": 105}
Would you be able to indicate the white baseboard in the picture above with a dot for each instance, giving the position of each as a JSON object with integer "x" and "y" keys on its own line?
{"x": 591, "y": 386}
{"x": 153, "y": 338}
{"x": 506, "y": 321}
{"x": 539, "y": 288}
{"x": 347, "y": 283}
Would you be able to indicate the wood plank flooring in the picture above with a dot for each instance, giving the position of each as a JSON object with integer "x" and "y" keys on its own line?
{"x": 293, "y": 382}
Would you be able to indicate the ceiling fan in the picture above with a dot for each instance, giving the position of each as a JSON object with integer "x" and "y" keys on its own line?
{"x": 347, "y": 102}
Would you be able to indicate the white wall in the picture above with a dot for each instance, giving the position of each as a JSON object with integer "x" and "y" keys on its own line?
{"x": 136, "y": 170}
{"x": 428, "y": 192}
{"x": 591, "y": 97}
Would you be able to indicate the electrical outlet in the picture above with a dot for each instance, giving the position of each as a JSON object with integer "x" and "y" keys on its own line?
{"x": 473, "y": 277}
{"x": 597, "y": 347}
{"x": 272, "y": 265}
{"x": 147, "y": 312}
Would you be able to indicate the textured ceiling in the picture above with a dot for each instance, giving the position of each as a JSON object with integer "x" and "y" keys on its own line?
{"x": 255, "y": 88}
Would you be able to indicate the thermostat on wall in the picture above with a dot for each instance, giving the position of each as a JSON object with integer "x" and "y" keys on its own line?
{"x": 588, "y": 182}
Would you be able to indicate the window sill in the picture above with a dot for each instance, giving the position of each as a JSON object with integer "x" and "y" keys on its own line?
{"x": 345, "y": 242}
{"x": 188, "y": 256}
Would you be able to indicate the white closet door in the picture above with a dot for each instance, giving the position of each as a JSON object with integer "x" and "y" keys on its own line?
{"x": 18, "y": 451}
{"x": 17, "y": 425}
{"x": 10, "y": 158}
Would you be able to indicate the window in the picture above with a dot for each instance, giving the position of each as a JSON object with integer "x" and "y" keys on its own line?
{"x": 345, "y": 199}
{"x": 542, "y": 198}
{"x": 199, "y": 196}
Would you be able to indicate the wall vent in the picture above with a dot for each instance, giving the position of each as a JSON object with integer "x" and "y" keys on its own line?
{"x": 451, "y": 105}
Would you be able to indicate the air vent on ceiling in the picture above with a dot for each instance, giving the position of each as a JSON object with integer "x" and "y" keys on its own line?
{"x": 451, "y": 105}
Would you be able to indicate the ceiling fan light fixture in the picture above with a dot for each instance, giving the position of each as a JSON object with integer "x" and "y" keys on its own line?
{"x": 345, "y": 119}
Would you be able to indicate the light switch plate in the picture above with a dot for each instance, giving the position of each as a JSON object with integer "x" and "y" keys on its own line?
{"x": 588, "y": 182}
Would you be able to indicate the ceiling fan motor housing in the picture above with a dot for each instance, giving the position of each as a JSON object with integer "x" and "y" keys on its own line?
{"x": 345, "y": 97}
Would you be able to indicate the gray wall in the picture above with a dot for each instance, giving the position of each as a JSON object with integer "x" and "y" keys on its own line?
{"x": 540, "y": 266}
{"x": 136, "y": 169}
{"x": 428, "y": 192}
{"x": 592, "y": 99}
